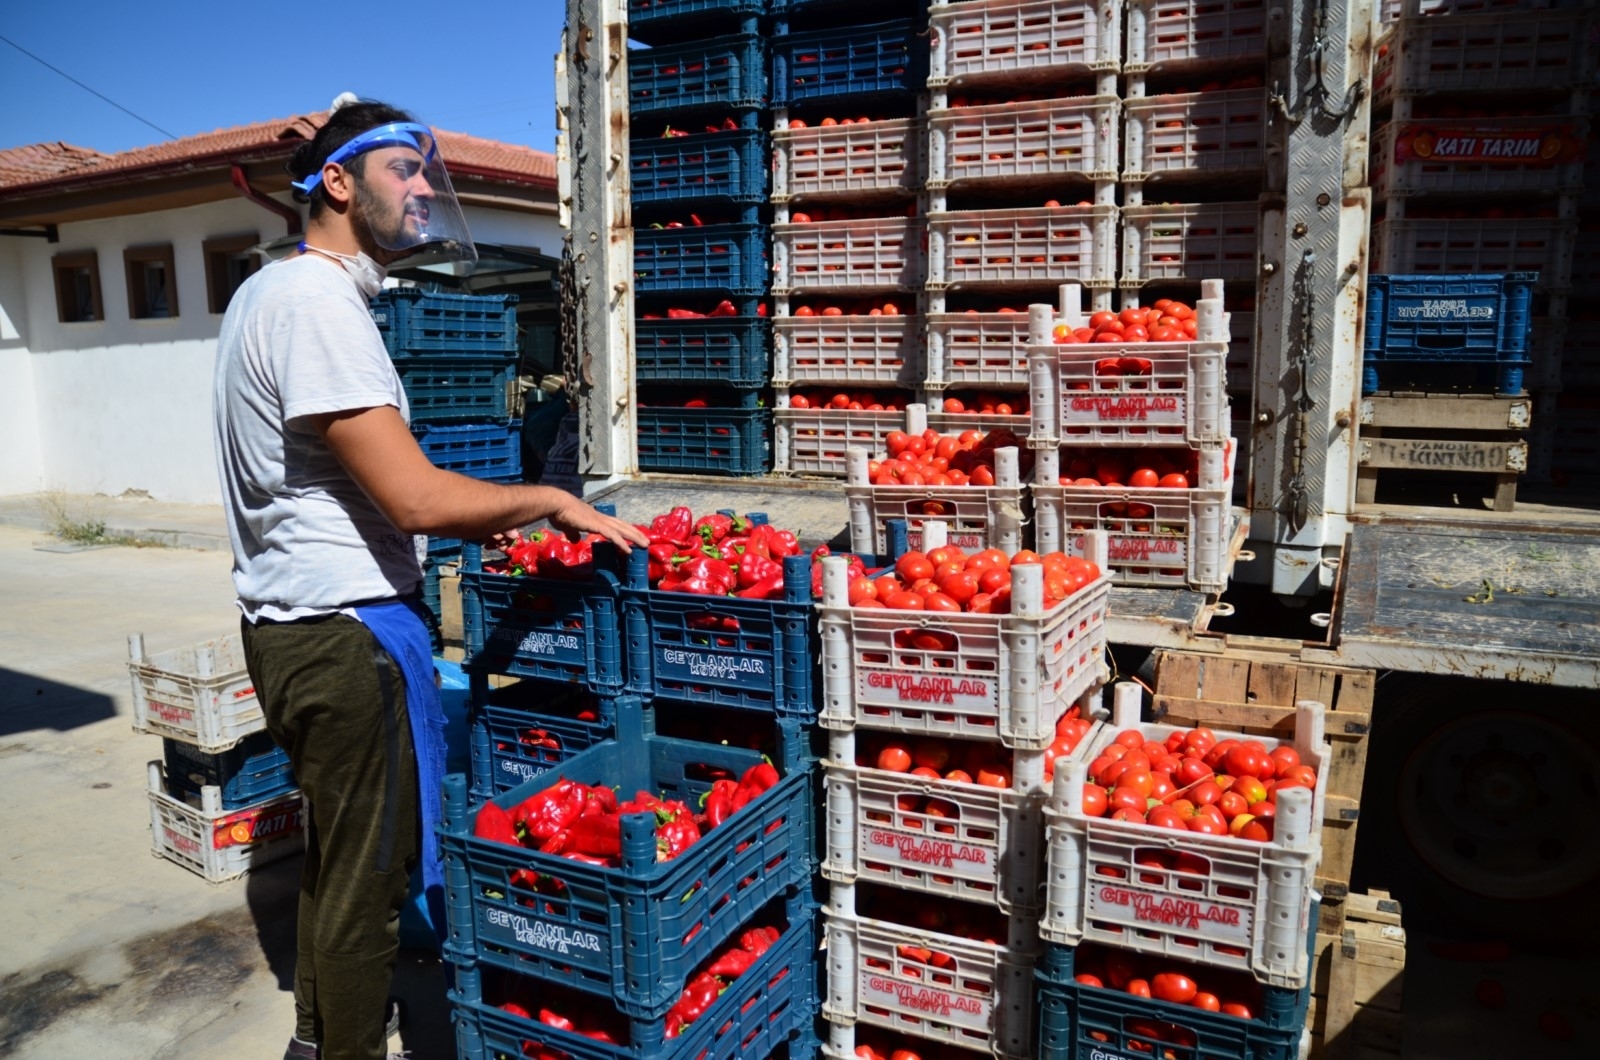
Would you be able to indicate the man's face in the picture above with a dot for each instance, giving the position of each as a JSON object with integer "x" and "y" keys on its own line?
{"x": 393, "y": 197}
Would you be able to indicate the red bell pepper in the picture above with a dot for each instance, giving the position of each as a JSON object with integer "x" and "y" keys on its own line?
{"x": 732, "y": 964}
{"x": 723, "y": 308}
{"x": 755, "y": 568}
{"x": 759, "y": 940}
{"x": 552, "y": 1019}
{"x": 543, "y": 815}
{"x": 718, "y": 802}
{"x": 673, "y": 527}
{"x": 494, "y": 823}
{"x": 766, "y": 589}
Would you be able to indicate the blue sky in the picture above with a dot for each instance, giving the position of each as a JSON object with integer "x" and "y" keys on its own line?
{"x": 189, "y": 67}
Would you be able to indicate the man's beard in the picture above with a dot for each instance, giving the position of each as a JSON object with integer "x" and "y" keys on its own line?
{"x": 367, "y": 219}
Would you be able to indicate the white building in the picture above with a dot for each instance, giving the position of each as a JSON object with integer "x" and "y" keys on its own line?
{"x": 114, "y": 274}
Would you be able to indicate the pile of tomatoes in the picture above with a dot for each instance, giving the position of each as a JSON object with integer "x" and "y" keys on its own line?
{"x": 828, "y": 123}
{"x": 870, "y": 307}
{"x": 1161, "y": 979}
{"x": 840, "y": 213}
{"x": 1164, "y": 320}
{"x": 1193, "y": 782}
{"x": 880, "y": 1048}
{"x": 1153, "y": 468}
{"x": 848, "y": 400}
{"x": 984, "y": 403}
{"x": 934, "y": 459}
{"x": 950, "y": 581}
{"x": 959, "y": 761}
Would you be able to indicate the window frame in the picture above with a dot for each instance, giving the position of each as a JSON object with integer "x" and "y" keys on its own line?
{"x": 133, "y": 259}
{"x": 216, "y": 252}
{"x": 71, "y": 261}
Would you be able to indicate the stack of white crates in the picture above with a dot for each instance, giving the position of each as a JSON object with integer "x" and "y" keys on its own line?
{"x": 223, "y": 799}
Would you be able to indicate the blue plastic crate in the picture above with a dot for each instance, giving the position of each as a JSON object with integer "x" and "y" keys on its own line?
{"x": 719, "y": 167}
{"x": 444, "y": 549}
{"x": 418, "y": 323}
{"x": 529, "y": 728}
{"x": 851, "y": 61}
{"x": 729, "y": 258}
{"x": 698, "y": 441}
{"x": 721, "y": 650}
{"x": 1452, "y": 319}
{"x": 450, "y": 390}
{"x": 646, "y": 17}
{"x": 718, "y": 73}
{"x": 433, "y": 603}
{"x": 483, "y": 450}
{"x": 544, "y": 627}
{"x": 772, "y": 1005}
{"x": 733, "y": 351}
{"x": 632, "y": 933}
{"x": 253, "y": 771}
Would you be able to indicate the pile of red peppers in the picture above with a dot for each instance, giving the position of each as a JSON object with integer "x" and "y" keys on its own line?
{"x": 583, "y": 822}
{"x": 548, "y": 554}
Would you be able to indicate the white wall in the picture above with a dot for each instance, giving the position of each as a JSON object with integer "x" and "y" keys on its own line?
{"x": 122, "y": 404}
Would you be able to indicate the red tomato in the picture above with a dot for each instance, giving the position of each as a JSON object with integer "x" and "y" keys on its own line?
{"x": 1174, "y": 987}
{"x": 1232, "y": 804}
{"x": 913, "y": 565}
{"x": 1094, "y": 800}
{"x": 1200, "y": 741}
{"x": 1089, "y": 980}
{"x": 1256, "y": 831}
{"x": 1285, "y": 757}
{"x": 1205, "y": 793}
{"x": 894, "y": 758}
{"x": 994, "y": 777}
{"x": 1233, "y": 1008}
{"x": 1139, "y": 987}
{"x": 1246, "y": 761}
{"x": 1191, "y": 770}
{"x": 941, "y": 602}
{"x": 1167, "y": 817}
{"x": 1205, "y": 824}
{"x": 1122, "y": 798}
{"x": 1144, "y": 478}
{"x": 1101, "y": 319}
{"x": 862, "y": 589}
{"x": 1208, "y": 1002}
{"x": 904, "y": 601}
{"x": 1129, "y": 738}
{"x": 1140, "y": 780}
{"x": 1174, "y": 481}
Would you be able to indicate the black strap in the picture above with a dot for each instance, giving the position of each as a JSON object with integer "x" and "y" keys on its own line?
{"x": 391, "y": 780}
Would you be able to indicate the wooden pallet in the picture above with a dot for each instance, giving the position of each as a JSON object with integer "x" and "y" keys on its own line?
{"x": 1256, "y": 692}
{"x": 1356, "y": 989}
{"x": 1451, "y": 433}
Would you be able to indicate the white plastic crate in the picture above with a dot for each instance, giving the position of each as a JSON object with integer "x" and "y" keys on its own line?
{"x": 834, "y": 160}
{"x": 1181, "y": 399}
{"x": 1235, "y": 904}
{"x": 1171, "y": 33}
{"x": 1003, "y": 248}
{"x": 870, "y": 253}
{"x": 1212, "y": 134}
{"x": 220, "y": 844}
{"x": 1190, "y": 242}
{"x": 1552, "y": 147}
{"x": 1393, "y": 9}
{"x": 975, "y": 517}
{"x": 814, "y": 441}
{"x": 1476, "y": 245}
{"x": 201, "y": 694}
{"x": 1483, "y": 53}
{"x": 1168, "y": 538}
{"x": 1006, "y": 677}
{"x": 1004, "y": 40}
{"x": 860, "y": 350}
{"x": 1011, "y": 142}
{"x": 977, "y": 349}
{"x": 985, "y": 845}
{"x": 982, "y": 1001}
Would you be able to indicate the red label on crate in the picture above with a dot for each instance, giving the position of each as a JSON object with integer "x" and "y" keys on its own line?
{"x": 970, "y": 540}
{"x": 962, "y": 693}
{"x": 884, "y": 991}
{"x": 1126, "y": 905}
{"x": 255, "y": 825}
{"x": 1478, "y": 141}
{"x": 1163, "y": 551}
{"x": 184, "y": 844}
{"x": 168, "y": 713}
{"x": 1144, "y": 408}
{"x": 921, "y": 851}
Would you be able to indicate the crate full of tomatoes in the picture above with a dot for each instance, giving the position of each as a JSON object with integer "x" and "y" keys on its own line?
{"x": 1143, "y": 376}
{"x": 1190, "y": 843}
{"x": 1165, "y": 511}
{"x": 622, "y": 871}
{"x": 971, "y": 481}
{"x": 980, "y": 646}
{"x": 815, "y": 426}
{"x": 947, "y": 817}
{"x": 749, "y": 997}
{"x": 835, "y": 340}
{"x": 945, "y": 970}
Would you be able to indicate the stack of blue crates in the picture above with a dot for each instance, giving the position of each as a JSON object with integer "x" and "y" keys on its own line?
{"x": 253, "y": 771}
{"x": 602, "y": 680}
{"x": 1421, "y": 324}
{"x": 700, "y": 177}
{"x": 456, "y": 355}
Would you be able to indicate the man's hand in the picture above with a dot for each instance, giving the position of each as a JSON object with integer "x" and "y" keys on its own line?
{"x": 577, "y": 518}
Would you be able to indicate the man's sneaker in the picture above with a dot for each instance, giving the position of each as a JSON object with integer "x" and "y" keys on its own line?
{"x": 303, "y": 1050}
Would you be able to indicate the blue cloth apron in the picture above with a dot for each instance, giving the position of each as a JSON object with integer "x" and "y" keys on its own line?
{"x": 400, "y": 627}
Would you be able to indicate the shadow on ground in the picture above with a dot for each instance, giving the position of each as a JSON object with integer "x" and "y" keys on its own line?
{"x": 29, "y": 702}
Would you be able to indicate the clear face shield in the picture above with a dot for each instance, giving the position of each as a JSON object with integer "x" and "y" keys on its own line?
{"x": 404, "y": 194}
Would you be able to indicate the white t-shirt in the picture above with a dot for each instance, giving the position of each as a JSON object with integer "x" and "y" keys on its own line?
{"x": 298, "y": 340}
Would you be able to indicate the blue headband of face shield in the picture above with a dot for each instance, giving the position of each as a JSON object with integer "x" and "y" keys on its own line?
{"x": 395, "y": 134}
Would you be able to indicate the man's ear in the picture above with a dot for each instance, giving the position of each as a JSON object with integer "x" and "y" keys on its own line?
{"x": 338, "y": 183}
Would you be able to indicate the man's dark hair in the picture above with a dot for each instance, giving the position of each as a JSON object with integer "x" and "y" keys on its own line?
{"x": 342, "y": 126}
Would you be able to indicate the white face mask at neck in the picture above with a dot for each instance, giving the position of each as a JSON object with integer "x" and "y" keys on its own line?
{"x": 367, "y": 274}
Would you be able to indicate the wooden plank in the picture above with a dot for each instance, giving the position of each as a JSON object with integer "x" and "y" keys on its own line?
{"x": 1492, "y": 457}
{"x": 1247, "y": 717}
{"x": 1358, "y": 975}
{"x": 1466, "y": 413}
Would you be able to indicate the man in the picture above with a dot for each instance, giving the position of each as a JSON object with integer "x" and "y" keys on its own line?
{"x": 325, "y": 487}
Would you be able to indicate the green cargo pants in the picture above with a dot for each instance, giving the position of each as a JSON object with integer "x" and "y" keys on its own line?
{"x": 335, "y": 701}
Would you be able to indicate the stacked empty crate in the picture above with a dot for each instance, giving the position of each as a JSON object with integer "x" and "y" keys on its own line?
{"x": 456, "y": 355}
{"x": 604, "y": 666}
{"x": 1233, "y": 916}
{"x": 1481, "y": 113}
{"x": 223, "y": 798}
{"x": 935, "y": 890}
{"x": 699, "y": 183}
{"x": 848, "y": 169}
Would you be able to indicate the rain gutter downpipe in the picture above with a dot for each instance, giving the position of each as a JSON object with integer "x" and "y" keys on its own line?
{"x": 288, "y": 213}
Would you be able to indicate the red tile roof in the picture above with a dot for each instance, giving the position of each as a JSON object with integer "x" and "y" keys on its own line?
{"x": 31, "y": 172}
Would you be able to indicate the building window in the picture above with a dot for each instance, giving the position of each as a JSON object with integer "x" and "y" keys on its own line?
{"x": 229, "y": 262}
{"x": 152, "y": 282}
{"x": 77, "y": 287}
